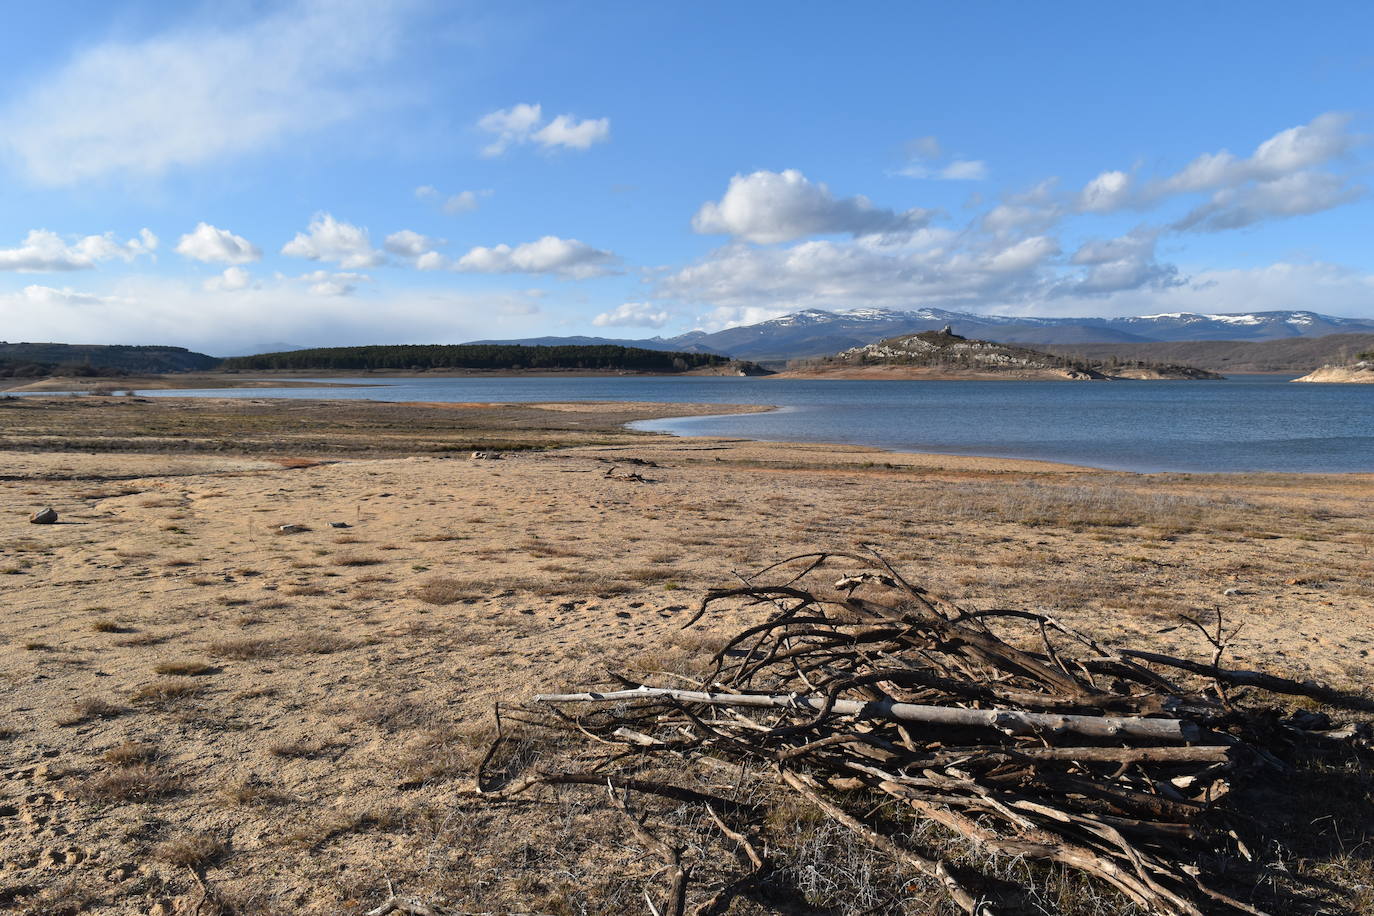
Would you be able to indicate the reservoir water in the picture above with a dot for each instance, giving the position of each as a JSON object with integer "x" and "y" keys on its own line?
{"x": 1245, "y": 423}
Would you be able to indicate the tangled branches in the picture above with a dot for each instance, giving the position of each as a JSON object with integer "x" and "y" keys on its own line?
{"x": 1011, "y": 730}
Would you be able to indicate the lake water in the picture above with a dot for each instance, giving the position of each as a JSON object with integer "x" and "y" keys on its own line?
{"x": 1245, "y": 423}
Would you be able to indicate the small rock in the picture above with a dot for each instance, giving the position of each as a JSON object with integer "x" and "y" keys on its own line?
{"x": 45, "y": 516}
{"x": 1232, "y": 592}
{"x": 292, "y": 529}
{"x": 340, "y": 525}
{"x": 489, "y": 456}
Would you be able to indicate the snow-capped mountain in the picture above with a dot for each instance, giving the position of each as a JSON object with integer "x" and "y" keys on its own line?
{"x": 816, "y": 332}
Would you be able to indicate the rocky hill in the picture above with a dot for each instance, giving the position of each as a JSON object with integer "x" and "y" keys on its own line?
{"x": 945, "y": 355}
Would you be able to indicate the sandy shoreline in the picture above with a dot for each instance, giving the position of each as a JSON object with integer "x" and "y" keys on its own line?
{"x": 315, "y": 701}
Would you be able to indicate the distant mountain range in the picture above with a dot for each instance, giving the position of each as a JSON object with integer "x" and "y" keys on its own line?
{"x": 815, "y": 332}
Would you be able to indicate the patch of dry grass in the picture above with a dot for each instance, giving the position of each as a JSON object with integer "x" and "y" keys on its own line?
{"x": 357, "y": 559}
{"x": 87, "y": 708}
{"x": 130, "y": 752}
{"x": 167, "y": 690}
{"x": 449, "y": 591}
{"x": 124, "y": 783}
{"x": 183, "y": 667}
{"x": 191, "y": 850}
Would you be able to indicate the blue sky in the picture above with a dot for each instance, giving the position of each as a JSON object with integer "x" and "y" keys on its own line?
{"x": 228, "y": 175}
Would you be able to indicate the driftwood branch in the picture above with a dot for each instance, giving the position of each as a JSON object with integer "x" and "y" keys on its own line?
{"x": 1011, "y": 722}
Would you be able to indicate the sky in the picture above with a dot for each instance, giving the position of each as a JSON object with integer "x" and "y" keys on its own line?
{"x": 237, "y": 175}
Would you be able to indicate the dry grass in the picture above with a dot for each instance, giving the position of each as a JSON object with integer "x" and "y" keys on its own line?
{"x": 183, "y": 667}
{"x": 191, "y": 850}
{"x": 245, "y": 648}
{"x": 357, "y": 559}
{"x": 130, "y": 752}
{"x": 449, "y": 591}
{"x": 107, "y": 626}
{"x": 88, "y": 708}
{"x": 253, "y": 792}
{"x": 168, "y": 690}
{"x": 136, "y": 782}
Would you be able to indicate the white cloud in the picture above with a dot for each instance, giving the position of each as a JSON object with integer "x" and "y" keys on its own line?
{"x": 550, "y": 254}
{"x": 325, "y": 283}
{"x": 1023, "y": 255}
{"x": 510, "y": 125}
{"x": 410, "y": 244}
{"x": 633, "y": 315}
{"x": 965, "y": 170}
{"x": 192, "y": 96}
{"x": 330, "y": 240}
{"x": 1320, "y": 141}
{"x": 43, "y": 251}
{"x": 48, "y": 297}
{"x": 933, "y": 267}
{"x": 462, "y": 202}
{"x": 567, "y": 131}
{"x": 727, "y": 316}
{"x": 923, "y": 155}
{"x": 768, "y": 207}
{"x": 1291, "y": 195}
{"x": 220, "y": 246}
{"x": 1105, "y": 193}
{"x": 147, "y": 309}
{"x": 432, "y": 260}
{"x": 1126, "y": 262}
{"x": 231, "y": 281}
{"x": 523, "y": 123}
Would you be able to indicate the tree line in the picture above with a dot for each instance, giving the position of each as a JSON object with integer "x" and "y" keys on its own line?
{"x": 416, "y": 357}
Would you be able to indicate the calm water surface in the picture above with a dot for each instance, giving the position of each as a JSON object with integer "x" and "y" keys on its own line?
{"x": 1246, "y": 423}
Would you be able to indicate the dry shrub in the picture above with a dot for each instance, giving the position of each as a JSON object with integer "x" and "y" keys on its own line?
{"x": 183, "y": 667}
{"x": 138, "y": 782}
{"x": 245, "y": 648}
{"x": 252, "y": 791}
{"x": 180, "y": 561}
{"x": 142, "y": 639}
{"x": 322, "y": 643}
{"x": 357, "y": 559}
{"x": 298, "y": 747}
{"x": 302, "y": 591}
{"x": 106, "y": 626}
{"x": 167, "y": 690}
{"x": 88, "y": 708}
{"x": 191, "y": 850}
{"x": 449, "y": 591}
{"x": 130, "y": 752}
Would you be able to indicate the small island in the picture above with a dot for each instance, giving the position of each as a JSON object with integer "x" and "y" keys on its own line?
{"x": 944, "y": 355}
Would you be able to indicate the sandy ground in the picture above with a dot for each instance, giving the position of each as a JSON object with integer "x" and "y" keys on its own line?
{"x": 192, "y": 695}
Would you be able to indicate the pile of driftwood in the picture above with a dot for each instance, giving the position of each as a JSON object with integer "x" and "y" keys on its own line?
{"x": 1020, "y": 735}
